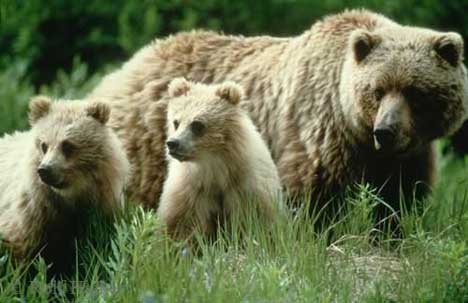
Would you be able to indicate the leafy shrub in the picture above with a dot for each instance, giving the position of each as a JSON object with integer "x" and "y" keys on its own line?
{"x": 14, "y": 95}
{"x": 16, "y": 91}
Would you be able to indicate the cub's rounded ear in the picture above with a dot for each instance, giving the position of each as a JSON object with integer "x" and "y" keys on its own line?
{"x": 231, "y": 92}
{"x": 449, "y": 46}
{"x": 362, "y": 43}
{"x": 39, "y": 107}
{"x": 99, "y": 111}
{"x": 179, "y": 87}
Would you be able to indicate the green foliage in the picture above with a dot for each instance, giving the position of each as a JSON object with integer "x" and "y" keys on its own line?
{"x": 14, "y": 96}
{"x": 50, "y": 34}
{"x": 16, "y": 91}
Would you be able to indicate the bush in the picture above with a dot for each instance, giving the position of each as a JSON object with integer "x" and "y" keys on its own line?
{"x": 17, "y": 90}
{"x": 14, "y": 96}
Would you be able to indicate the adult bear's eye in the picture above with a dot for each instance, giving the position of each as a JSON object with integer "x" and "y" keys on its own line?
{"x": 44, "y": 147}
{"x": 197, "y": 127}
{"x": 414, "y": 94}
{"x": 176, "y": 124}
{"x": 68, "y": 148}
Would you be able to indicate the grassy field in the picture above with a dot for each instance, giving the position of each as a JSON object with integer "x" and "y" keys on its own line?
{"x": 289, "y": 262}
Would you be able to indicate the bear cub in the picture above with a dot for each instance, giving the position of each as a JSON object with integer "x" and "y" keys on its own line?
{"x": 219, "y": 166}
{"x": 69, "y": 162}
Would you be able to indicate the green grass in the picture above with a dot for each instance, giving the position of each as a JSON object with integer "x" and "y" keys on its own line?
{"x": 288, "y": 262}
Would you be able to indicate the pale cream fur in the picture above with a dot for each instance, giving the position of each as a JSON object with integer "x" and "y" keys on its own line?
{"x": 30, "y": 210}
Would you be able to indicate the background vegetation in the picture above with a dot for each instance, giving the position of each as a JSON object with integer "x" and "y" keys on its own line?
{"x": 62, "y": 48}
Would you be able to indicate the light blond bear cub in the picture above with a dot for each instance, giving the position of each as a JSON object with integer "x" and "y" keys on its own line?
{"x": 219, "y": 167}
{"x": 68, "y": 163}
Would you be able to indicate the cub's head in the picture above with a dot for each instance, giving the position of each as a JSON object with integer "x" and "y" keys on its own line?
{"x": 403, "y": 87}
{"x": 201, "y": 118}
{"x": 71, "y": 141}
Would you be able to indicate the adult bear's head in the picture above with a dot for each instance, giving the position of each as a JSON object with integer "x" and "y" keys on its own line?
{"x": 403, "y": 87}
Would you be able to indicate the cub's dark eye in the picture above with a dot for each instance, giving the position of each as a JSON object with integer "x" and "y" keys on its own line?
{"x": 176, "y": 124}
{"x": 379, "y": 93}
{"x": 44, "y": 147}
{"x": 68, "y": 148}
{"x": 197, "y": 127}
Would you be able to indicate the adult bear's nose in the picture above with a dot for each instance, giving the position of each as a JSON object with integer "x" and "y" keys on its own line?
{"x": 385, "y": 137}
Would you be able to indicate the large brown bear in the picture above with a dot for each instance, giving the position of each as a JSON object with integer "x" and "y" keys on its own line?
{"x": 357, "y": 98}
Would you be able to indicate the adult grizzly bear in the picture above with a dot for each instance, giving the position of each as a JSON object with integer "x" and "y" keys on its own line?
{"x": 356, "y": 98}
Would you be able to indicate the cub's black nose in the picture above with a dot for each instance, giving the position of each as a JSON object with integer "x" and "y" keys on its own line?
{"x": 46, "y": 175}
{"x": 385, "y": 137}
{"x": 173, "y": 144}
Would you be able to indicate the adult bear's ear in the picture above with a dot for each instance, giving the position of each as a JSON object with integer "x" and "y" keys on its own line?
{"x": 39, "y": 107}
{"x": 179, "y": 87}
{"x": 230, "y": 91}
{"x": 449, "y": 46}
{"x": 99, "y": 111}
{"x": 362, "y": 43}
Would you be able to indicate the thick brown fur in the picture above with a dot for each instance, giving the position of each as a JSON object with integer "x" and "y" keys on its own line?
{"x": 220, "y": 168}
{"x": 315, "y": 99}
{"x": 87, "y": 171}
